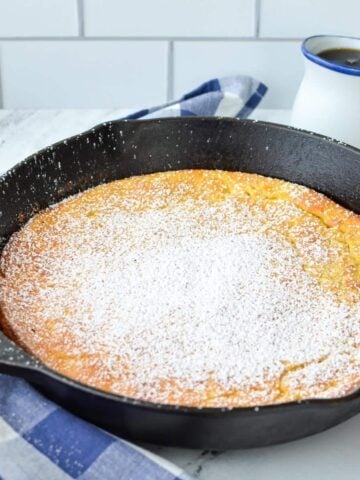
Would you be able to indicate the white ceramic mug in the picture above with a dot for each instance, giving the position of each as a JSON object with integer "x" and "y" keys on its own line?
{"x": 328, "y": 99}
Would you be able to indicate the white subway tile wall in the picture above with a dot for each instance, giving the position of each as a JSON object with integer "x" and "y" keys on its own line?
{"x": 68, "y": 74}
{"x": 302, "y": 18}
{"x": 170, "y": 18}
{"x": 136, "y": 53}
{"x": 38, "y": 18}
{"x": 277, "y": 64}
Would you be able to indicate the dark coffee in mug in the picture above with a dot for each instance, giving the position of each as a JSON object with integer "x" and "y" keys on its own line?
{"x": 347, "y": 57}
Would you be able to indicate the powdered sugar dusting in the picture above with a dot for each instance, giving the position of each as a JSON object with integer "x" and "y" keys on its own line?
{"x": 193, "y": 297}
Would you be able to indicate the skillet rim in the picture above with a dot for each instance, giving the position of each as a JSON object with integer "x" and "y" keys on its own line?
{"x": 38, "y": 368}
{"x": 264, "y": 123}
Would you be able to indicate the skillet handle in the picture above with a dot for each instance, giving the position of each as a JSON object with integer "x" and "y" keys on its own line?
{"x": 16, "y": 362}
{"x": 13, "y": 360}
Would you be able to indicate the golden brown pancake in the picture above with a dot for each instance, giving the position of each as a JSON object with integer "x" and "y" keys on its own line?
{"x": 196, "y": 287}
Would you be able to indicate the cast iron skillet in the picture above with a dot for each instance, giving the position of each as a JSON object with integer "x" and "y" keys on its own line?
{"x": 120, "y": 149}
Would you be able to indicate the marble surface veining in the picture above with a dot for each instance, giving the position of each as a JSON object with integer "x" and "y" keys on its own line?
{"x": 331, "y": 455}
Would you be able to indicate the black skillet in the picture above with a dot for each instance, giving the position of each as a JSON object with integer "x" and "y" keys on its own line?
{"x": 120, "y": 149}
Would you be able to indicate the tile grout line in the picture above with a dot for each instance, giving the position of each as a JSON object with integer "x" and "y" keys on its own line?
{"x": 80, "y": 13}
{"x": 1, "y": 81}
{"x": 1, "y": 91}
{"x": 170, "y": 72}
{"x": 149, "y": 38}
{"x": 257, "y": 18}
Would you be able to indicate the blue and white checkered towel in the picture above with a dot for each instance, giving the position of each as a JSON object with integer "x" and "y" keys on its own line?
{"x": 235, "y": 96}
{"x": 39, "y": 440}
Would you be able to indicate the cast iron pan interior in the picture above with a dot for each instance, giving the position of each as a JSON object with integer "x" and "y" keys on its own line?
{"x": 124, "y": 148}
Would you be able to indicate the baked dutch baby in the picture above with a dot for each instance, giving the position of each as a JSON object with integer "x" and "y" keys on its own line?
{"x": 198, "y": 288}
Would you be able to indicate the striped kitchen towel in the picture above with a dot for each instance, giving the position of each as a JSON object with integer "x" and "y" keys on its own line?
{"x": 41, "y": 441}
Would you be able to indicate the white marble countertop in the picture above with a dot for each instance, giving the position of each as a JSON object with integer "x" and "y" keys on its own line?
{"x": 332, "y": 455}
